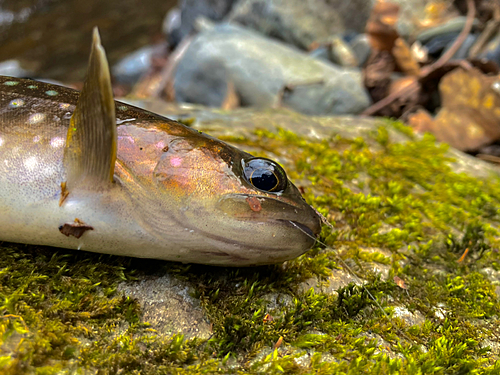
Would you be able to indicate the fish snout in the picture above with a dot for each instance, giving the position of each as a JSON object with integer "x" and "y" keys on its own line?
{"x": 297, "y": 215}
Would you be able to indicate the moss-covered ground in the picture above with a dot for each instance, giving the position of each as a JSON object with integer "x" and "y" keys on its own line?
{"x": 397, "y": 205}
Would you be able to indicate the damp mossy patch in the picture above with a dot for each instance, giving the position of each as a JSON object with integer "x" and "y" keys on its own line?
{"x": 396, "y": 205}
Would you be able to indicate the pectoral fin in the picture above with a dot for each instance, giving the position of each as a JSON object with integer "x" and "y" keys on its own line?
{"x": 90, "y": 153}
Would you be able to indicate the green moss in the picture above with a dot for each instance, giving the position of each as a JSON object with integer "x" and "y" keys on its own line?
{"x": 397, "y": 205}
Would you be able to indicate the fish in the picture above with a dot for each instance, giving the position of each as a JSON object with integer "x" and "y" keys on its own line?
{"x": 81, "y": 171}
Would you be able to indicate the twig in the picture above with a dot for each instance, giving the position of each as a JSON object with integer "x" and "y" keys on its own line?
{"x": 425, "y": 72}
{"x": 489, "y": 31}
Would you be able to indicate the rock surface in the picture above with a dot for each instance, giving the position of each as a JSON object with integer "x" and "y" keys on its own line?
{"x": 260, "y": 69}
{"x": 167, "y": 306}
{"x": 190, "y": 10}
{"x": 297, "y": 22}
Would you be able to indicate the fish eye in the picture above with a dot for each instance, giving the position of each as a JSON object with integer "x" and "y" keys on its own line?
{"x": 265, "y": 174}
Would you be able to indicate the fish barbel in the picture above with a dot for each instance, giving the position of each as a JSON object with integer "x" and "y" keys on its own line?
{"x": 81, "y": 171}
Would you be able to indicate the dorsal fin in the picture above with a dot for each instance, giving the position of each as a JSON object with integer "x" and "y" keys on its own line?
{"x": 90, "y": 153}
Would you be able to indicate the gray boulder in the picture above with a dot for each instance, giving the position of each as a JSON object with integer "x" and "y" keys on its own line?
{"x": 190, "y": 10}
{"x": 260, "y": 69}
{"x": 298, "y": 22}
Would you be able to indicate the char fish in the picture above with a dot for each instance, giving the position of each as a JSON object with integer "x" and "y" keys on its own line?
{"x": 81, "y": 171}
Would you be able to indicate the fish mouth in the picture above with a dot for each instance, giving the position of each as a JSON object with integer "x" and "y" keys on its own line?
{"x": 297, "y": 215}
{"x": 304, "y": 228}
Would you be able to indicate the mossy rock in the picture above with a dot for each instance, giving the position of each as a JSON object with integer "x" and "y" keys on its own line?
{"x": 416, "y": 222}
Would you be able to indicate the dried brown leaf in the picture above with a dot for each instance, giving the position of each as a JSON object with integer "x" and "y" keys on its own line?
{"x": 400, "y": 282}
{"x": 381, "y": 25}
{"x": 404, "y": 58}
{"x": 470, "y": 117}
{"x": 421, "y": 121}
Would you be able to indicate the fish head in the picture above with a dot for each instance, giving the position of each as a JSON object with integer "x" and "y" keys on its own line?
{"x": 245, "y": 205}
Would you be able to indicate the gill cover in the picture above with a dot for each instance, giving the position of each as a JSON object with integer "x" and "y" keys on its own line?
{"x": 90, "y": 152}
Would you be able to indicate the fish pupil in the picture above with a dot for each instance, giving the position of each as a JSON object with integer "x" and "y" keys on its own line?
{"x": 264, "y": 179}
{"x": 265, "y": 175}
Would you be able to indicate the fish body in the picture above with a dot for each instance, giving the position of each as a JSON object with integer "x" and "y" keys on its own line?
{"x": 81, "y": 171}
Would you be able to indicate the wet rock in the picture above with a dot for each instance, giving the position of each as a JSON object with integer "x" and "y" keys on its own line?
{"x": 409, "y": 317}
{"x": 322, "y": 53}
{"x": 454, "y": 25}
{"x": 261, "y": 69}
{"x": 167, "y": 305}
{"x": 207, "y": 82}
{"x": 463, "y": 51}
{"x": 298, "y": 22}
{"x": 341, "y": 53}
{"x": 190, "y": 10}
{"x": 171, "y": 26}
{"x": 361, "y": 47}
{"x": 13, "y": 68}
{"x": 354, "y": 13}
{"x": 129, "y": 69}
{"x": 437, "y": 44}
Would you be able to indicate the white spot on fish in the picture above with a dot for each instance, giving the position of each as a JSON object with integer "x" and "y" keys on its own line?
{"x": 32, "y": 87}
{"x": 36, "y": 139}
{"x": 36, "y": 118}
{"x": 10, "y": 83}
{"x": 51, "y": 92}
{"x": 67, "y": 116}
{"x": 16, "y": 103}
{"x": 64, "y": 105}
{"x": 31, "y": 163}
{"x": 57, "y": 142}
{"x": 118, "y": 121}
{"x": 123, "y": 108}
{"x": 160, "y": 145}
{"x": 1, "y": 141}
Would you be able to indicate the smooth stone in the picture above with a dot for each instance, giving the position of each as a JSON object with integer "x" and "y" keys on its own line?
{"x": 454, "y": 25}
{"x": 190, "y": 10}
{"x": 321, "y": 53}
{"x": 193, "y": 85}
{"x": 13, "y": 68}
{"x": 341, "y": 53}
{"x": 361, "y": 47}
{"x": 172, "y": 25}
{"x": 260, "y": 69}
{"x": 463, "y": 51}
{"x": 297, "y": 22}
{"x": 129, "y": 69}
{"x": 436, "y": 45}
{"x": 167, "y": 305}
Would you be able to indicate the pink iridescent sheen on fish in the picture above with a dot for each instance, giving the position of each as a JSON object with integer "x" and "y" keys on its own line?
{"x": 81, "y": 171}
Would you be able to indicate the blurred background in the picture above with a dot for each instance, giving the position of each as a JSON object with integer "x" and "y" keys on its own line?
{"x": 434, "y": 64}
